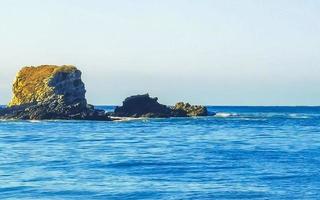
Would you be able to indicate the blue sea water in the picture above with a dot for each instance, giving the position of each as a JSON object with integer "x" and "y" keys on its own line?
{"x": 241, "y": 153}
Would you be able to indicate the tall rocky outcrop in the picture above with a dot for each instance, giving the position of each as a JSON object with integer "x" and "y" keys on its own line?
{"x": 50, "y": 92}
{"x": 48, "y": 83}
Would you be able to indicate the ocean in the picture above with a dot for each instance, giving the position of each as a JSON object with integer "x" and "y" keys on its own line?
{"x": 241, "y": 153}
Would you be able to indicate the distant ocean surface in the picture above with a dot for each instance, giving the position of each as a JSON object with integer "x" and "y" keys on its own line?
{"x": 241, "y": 153}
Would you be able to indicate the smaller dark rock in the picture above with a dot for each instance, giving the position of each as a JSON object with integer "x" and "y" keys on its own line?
{"x": 142, "y": 106}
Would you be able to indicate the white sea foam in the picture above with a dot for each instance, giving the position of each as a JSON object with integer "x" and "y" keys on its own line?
{"x": 8, "y": 120}
{"x": 124, "y": 118}
{"x": 297, "y": 116}
{"x": 35, "y": 121}
{"x": 225, "y": 114}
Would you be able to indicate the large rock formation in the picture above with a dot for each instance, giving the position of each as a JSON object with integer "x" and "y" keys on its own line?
{"x": 50, "y": 92}
{"x": 189, "y": 110}
{"x": 142, "y": 106}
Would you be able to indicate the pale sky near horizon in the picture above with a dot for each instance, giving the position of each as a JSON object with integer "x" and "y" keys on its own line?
{"x": 213, "y": 52}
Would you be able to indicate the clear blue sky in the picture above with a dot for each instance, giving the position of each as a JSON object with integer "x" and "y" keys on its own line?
{"x": 226, "y": 52}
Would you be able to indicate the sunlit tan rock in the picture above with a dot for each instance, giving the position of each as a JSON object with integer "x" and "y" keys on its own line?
{"x": 191, "y": 110}
{"x": 47, "y": 82}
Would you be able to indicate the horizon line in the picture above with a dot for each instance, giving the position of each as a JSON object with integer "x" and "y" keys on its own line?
{"x": 216, "y": 105}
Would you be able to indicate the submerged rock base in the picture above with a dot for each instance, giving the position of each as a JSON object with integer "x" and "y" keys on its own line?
{"x": 52, "y": 111}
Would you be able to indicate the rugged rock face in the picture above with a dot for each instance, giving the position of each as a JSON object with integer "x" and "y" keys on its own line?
{"x": 142, "y": 106}
{"x": 50, "y": 92}
{"x": 47, "y": 83}
{"x": 183, "y": 109}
